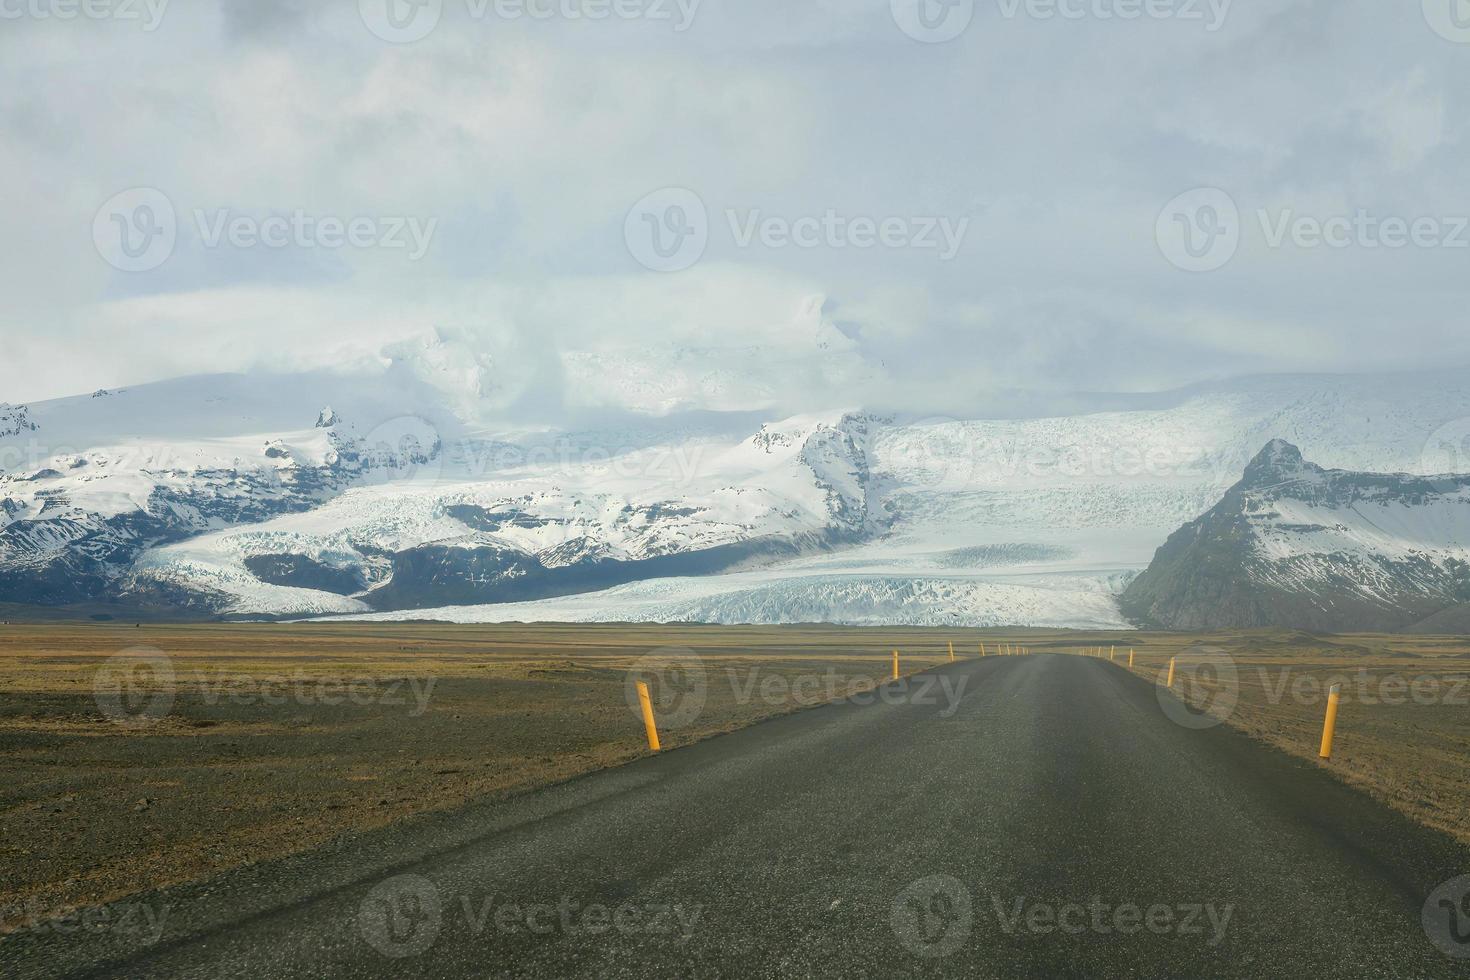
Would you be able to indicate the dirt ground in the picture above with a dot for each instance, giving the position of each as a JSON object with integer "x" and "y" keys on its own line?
{"x": 132, "y": 758}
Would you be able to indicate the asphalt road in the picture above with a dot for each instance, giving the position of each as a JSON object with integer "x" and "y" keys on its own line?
{"x": 1052, "y": 822}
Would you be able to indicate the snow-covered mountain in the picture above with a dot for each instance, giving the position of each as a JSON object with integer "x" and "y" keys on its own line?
{"x": 528, "y": 520}
{"x": 1296, "y": 545}
{"x": 88, "y": 484}
{"x": 404, "y": 490}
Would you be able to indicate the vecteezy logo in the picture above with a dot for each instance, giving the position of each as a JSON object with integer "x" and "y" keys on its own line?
{"x": 933, "y": 21}
{"x": 945, "y": 455}
{"x": 135, "y": 688}
{"x": 401, "y": 450}
{"x": 677, "y": 683}
{"x": 1447, "y": 450}
{"x": 933, "y": 916}
{"x": 1199, "y": 231}
{"x": 1449, "y": 18}
{"x": 668, "y": 230}
{"x": 401, "y": 21}
{"x": 1206, "y": 688}
{"x": 1446, "y": 918}
{"x": 136, "y": 231}
{"x": 402, "y": 916}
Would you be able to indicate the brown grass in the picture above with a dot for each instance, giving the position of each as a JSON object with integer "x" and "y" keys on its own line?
{"x": 91, "y": 811}
{"x": 1403, "y": 729}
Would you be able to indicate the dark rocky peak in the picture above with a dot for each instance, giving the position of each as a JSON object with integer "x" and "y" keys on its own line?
{"x": 1279, "y": 462}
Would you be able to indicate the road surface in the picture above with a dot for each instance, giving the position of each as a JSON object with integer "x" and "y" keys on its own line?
{"x": 1050, "y": 822}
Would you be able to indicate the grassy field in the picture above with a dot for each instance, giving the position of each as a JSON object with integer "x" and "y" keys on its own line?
{"x": 137, "y": 757}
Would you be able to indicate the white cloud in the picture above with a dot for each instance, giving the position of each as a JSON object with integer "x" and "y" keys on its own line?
{"x": 528, "y": 141}
{"x": 1407, "y": 120}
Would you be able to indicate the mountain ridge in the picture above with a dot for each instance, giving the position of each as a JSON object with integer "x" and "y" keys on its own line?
{"x": 1296, "y": 545}
{"x": 353, "y": 492}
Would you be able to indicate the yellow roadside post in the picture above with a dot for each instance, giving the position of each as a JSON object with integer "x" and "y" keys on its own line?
{"x": 1171, "y": 671}
{"x": 1112, "y": 653}
{"x": 951, "y": 651}
{"x": 1130, "y": 659}
{"x": 1329, "y": 727}
{"x": 982, "y": 648}
{"x": 647, "y": 704}
{"x": 895, "y": 665}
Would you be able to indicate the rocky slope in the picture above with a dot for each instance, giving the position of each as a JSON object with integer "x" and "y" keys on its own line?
{"x": 1296, "y": 545}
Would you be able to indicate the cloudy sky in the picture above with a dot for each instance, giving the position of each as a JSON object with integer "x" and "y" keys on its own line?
{"x": 932, "y": 201}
